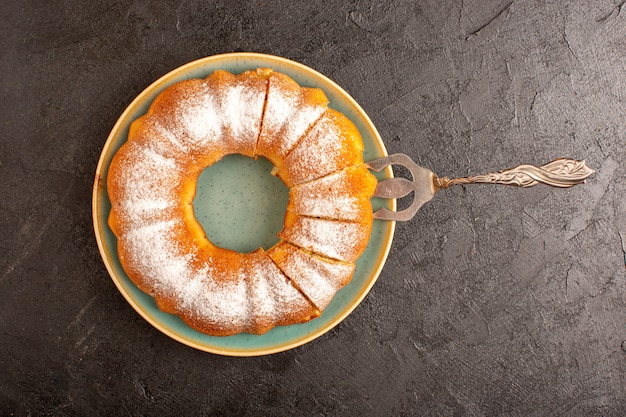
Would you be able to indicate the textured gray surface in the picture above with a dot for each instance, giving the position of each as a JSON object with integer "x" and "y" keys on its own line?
{"x": 494, "y": 301}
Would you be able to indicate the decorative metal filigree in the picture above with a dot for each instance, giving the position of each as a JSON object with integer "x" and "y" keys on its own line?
{"x": 562, "y": 172}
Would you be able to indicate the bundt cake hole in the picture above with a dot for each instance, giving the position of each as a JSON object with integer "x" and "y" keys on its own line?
{"x": 239, "y": 204}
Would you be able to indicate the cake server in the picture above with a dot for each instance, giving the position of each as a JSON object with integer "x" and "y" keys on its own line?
{"x": 562, "y": 173}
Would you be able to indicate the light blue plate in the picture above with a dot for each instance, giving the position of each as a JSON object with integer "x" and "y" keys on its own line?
{"x": 244, "y": 173}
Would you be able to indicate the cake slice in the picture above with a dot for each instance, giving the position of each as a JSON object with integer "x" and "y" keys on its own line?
{"x": 343, "y": 195}
{"x": 318, "y": 278}
{"x": 273, "y": 299}
{"x": 331, "y": 145}
{"x": 290, "y": 110}
{"x": 239, "y": 101}
{"x": 342, "y": 241}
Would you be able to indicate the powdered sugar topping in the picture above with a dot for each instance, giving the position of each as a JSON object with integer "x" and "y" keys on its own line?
{"x": 330, "y": 238}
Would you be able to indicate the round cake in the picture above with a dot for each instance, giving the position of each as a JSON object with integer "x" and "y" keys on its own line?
{"x": 316, "y": 151}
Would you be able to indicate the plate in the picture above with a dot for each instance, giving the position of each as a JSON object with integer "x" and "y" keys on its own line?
{"x": 278, "y": 339}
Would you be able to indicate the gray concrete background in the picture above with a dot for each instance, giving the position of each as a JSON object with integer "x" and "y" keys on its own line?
{"x": 494, "y": 300}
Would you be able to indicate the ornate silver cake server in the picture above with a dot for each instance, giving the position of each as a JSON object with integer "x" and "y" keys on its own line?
{"x": 562, "y": 172}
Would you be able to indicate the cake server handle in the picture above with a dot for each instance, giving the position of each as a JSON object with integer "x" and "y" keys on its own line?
{"x": 562, "y": 173}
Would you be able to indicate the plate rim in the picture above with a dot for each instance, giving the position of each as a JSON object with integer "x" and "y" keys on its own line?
{"x": 99, "y": 225}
